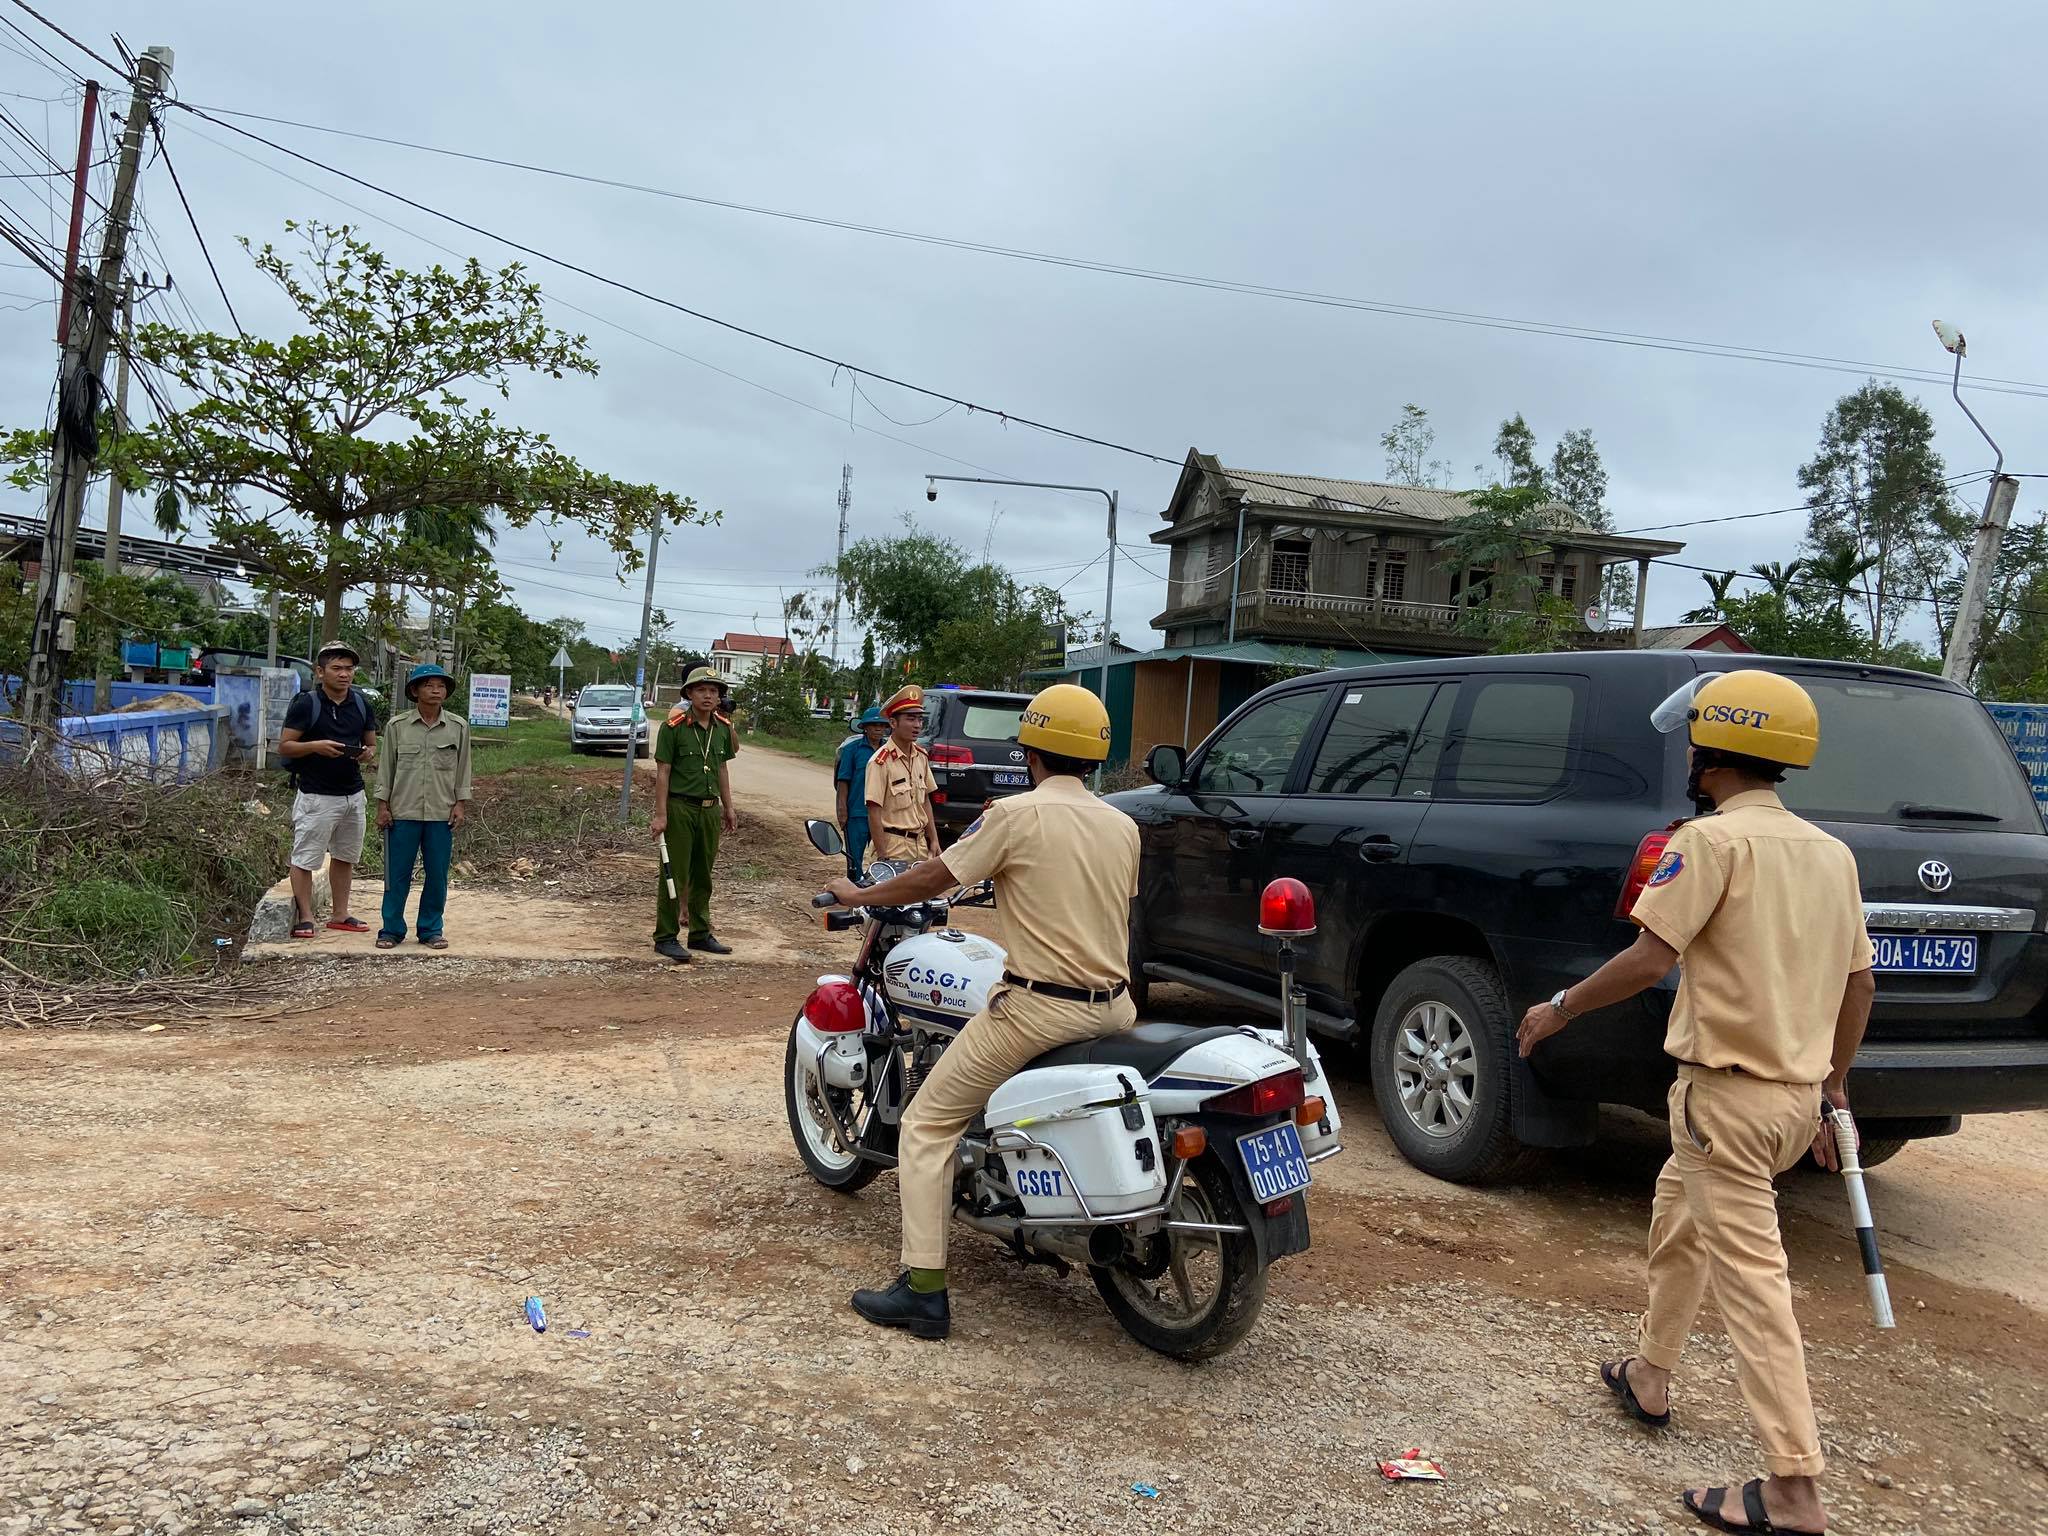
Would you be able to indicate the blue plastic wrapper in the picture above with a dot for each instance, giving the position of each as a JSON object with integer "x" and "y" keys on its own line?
{"x": 536, "y": 1314}
{"x": 1145, "y": 1490}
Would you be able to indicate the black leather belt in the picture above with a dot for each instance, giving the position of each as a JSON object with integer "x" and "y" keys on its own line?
{"x": 695, "y": 800}
{"x": 1068, "y": 994}
{"x": 904, "y": 831}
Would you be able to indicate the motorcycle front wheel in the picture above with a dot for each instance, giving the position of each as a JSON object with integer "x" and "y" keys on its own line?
{"x": 805, "y": 1096}
{"x": 1191, "y": 1295}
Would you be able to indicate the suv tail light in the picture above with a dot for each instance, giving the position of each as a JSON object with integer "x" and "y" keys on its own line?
{"x": 835, "y": 1008}
{"x": 1640, "y": 868}
{"x": 945, "y": 755}
{"x": 1268, "y": 1096}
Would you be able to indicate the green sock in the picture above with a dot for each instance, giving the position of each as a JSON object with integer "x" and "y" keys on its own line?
{"x": 927, "y": 1282}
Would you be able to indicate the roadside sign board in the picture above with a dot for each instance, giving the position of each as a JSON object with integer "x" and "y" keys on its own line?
{"x": 2026, "y": 728}
{"x": 561, "y": 658}
{"x": 490, "y": 700}
{"x": 1052, "y": 650}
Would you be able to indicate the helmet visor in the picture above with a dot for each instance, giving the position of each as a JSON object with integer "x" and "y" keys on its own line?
{"x": 1676, "y": 711}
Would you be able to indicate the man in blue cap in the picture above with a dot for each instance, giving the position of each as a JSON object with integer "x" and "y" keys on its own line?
{"x": 851, "y": 777}
{"x": 422, "y": 795}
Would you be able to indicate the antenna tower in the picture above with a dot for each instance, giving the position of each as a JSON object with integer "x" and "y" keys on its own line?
{"x": 845, "y": 506}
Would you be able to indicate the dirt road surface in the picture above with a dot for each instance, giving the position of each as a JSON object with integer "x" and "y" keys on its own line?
{"x": 266, "y": 1274}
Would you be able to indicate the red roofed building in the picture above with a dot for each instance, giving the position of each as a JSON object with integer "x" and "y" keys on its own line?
{"x": 739, "y": 657}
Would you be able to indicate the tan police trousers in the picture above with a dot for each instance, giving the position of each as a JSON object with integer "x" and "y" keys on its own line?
{"x": 1715, "y": 1224}
{"x": 1014, "y": 1027}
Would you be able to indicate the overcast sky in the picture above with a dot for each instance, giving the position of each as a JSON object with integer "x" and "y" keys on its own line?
{"x": 1821, "y": 179}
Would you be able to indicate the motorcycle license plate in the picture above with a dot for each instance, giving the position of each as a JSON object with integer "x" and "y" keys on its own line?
{"x": 1274, "y": 1161}
{"x": 1920, "y": 954}
{"x": 1007, "y": 780}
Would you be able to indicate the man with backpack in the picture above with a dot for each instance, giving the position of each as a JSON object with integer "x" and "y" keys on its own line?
{"x": 329, "y": 732}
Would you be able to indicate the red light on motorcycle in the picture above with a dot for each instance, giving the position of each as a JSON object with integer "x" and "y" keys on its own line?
{"x": 1190, "y": 1142}
{"x": 1286, "y": 910}
{"x": 1310, "y": 1110}
{"x": 1649, "y": 852}
{"x": 1279, "y": 1207}
{"x": 835, "y": 1008}
{"x": 1268, "y": 1096}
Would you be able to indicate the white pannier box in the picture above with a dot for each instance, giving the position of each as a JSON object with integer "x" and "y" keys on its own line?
{"x": 1106, "y": 1140}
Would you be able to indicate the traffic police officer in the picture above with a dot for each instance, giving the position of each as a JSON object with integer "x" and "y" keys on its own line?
{"x": 1065, "y": 867}
{"x": 692, "y": 803}
{"x": 850, "y": 778}
{"x": 900, "y": 785}
{"x": 1763, "y": 914}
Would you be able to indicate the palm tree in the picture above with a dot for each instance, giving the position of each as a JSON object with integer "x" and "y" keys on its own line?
{"x": 1716, "y": 610}
{"x": 1779, "y": 576}
{"x": 1837, "y": 571}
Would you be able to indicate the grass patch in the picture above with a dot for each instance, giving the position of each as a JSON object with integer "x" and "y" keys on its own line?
{"x": 535, "y": 739}
{"x": 820, "y": 746}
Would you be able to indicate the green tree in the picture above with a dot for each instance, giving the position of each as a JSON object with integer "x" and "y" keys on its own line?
{"x": 870, "y": 675}
{"x": 1515, "y": 446}
{"x": 1407, "y": 444}
{"x": 1506, "y": 529}
{"x": 363, "y": 419}
{"x": 1780, "y": 576}
{"x": 1875, "y": 487}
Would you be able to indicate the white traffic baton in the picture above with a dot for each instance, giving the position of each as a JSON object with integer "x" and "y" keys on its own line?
{"x": 1847, "y": 1143}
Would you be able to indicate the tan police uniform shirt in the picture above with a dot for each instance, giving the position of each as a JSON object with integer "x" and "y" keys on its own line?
{"x": 1065, "y": 867}
{"x": 1766, "y": 913}
{"x": 901, "y": 786}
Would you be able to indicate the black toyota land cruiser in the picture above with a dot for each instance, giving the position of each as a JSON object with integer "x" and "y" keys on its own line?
{"x": 1473, "y": 830}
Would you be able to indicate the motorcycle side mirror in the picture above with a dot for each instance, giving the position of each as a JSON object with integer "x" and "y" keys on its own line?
{"x": 825, "y": 837}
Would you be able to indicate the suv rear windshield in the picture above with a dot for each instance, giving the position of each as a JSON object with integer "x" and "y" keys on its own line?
{"x": 607, "y": 698}
{"x": 1900, "y": 752}
{"x": 991, "y": 722}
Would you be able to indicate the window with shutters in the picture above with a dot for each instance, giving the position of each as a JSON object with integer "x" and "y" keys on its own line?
{"x": 1213, "y": 572}
{"x": 1392, "y": 584}
{"x": 1561, "y": 579}
{"x": 1290, "y": 565}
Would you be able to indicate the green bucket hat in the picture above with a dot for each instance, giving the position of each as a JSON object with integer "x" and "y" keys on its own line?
{"x": 872, "y": 715}
{"x": 421, "y": 673}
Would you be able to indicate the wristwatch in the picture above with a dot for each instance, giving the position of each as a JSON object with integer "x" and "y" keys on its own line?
{"x": 1557, "y": 1002}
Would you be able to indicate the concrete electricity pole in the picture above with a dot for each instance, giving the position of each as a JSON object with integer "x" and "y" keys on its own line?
{"x": 1961, "y": 660}
{"x": 103, "y": 672}
{"x": 845, "y": 506}
{"x": 89, "y": 330}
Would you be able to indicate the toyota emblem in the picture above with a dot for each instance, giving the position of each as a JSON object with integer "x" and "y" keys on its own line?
{"x": 1016, "y": 754}
{"x": 1936, "y": 876}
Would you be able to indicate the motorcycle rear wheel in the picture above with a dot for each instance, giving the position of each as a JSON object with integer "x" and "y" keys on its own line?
{"x": 810, "y": 1127}
{"x": 1208, "y": 1288}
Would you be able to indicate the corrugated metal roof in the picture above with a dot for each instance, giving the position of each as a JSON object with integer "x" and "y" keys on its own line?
{"x": 1677, "y": 637}
{"x": 1272, "y": 489}
{"x": 1307, "y": 658}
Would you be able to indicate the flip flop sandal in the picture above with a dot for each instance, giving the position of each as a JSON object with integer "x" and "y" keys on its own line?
{"x": 385, "y": 941}
{"x": 349, "y": 925}
{"x": 305, "y": 931}
{"x": 1708, "y": 1511}
{"x": 435, "y": 942}
{"x": 1615, "y": 1374}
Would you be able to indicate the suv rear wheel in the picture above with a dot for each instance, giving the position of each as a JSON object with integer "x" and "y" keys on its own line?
{"x": 1440, "y": 1046}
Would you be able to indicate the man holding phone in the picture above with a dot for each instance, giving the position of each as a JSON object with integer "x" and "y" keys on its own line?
{"x": 328, "y": 734}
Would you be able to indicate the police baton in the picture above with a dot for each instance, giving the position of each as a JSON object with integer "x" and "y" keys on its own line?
{"x": 668, "y": 871}
{"x": 1846, "y": 1146}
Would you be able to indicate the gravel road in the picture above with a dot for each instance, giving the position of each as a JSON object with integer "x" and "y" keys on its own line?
{"x": 267, "y": 1275}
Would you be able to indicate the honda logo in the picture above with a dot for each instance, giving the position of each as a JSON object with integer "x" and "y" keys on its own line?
{"x": 1936, "y": 876}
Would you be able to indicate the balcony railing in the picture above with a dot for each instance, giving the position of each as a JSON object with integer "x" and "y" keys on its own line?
{"x": 1394, "y": 612}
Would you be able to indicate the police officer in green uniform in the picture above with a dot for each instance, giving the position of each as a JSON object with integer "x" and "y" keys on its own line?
{"x": 692, "y": 805}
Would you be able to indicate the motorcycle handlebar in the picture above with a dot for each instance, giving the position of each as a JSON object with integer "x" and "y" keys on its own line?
{"x": 824, "y": 899}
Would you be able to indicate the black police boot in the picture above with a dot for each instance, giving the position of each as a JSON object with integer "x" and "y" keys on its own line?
{"x": 708, "y": 942}
{"x": 669, "y": 949}
{"x": 926, "y": 1315}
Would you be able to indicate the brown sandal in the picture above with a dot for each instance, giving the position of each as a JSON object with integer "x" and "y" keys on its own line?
{"x": 385, "y": 941}
{"x": 436, "y": 942}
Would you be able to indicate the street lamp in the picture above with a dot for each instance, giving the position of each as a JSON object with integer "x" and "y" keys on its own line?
{"x": 931, "y": 493}
{"x": 1998, "y": 500}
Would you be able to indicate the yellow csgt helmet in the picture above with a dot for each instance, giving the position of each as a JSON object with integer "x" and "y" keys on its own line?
{"x": 1756, "y": 714}
{"x": 1067, "y": 721}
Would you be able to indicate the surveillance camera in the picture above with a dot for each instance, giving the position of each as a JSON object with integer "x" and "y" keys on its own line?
{"x": 931, "y": 490}
{"x": 1951, "y": 338}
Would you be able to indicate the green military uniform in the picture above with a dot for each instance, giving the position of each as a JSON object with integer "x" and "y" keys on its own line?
{"x": 694, "y": 754}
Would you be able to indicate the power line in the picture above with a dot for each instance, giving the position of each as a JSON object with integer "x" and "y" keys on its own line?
{"x": 192, "y": 219}
{"x": 1737, "y": 517}
{"x": 98, "y": 58}
{"x": 1650, "y": 340}
{"x": 62, "y": 69}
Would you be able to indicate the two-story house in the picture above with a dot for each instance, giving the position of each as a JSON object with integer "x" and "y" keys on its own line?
{"x": 737, "y": 657}
{"x": 1303, "y": 560}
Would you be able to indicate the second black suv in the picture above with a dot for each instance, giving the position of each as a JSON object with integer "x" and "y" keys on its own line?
{"x": 971, "y": 735}
{"x": 1474, "y": 829}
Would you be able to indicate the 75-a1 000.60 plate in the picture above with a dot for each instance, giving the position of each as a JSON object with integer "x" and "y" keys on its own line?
{"x": 1274, "y": 1161}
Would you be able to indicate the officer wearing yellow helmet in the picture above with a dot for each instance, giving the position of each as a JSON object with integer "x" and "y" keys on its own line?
{"x": 1763, "y": 914}
{"x": 1065, "y": 867}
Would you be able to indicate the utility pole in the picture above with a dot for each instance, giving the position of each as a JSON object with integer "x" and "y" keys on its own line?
{"x": 103, "y": 676}
{"x": 89, "y": 330}
{"x": 640, "y": 678}
{"x": 1961, "y": 660}
{"x": 845, "y": 506}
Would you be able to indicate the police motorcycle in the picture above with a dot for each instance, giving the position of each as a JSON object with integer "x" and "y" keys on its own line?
{"x": 1169, "y": 1160}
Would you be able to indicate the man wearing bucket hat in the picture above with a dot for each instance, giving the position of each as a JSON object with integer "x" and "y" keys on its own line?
{"x": 692, "y": 805}
{"x": 422, "y": 796}
{"x": 900, "y": 784}
{"x": 850, "y": 779}
{"x": 1065, "y": 867}
{"x": 1763, "y": 914}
